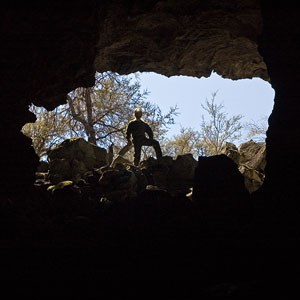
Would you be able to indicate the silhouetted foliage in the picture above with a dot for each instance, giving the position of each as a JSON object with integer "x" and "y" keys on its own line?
{"x": 99, "y": 114}
{"x": 257, "y": 130}
{"x": 187, "y": 141}
{"x": 214, "y": 131}
{"x": 219, "y": 128}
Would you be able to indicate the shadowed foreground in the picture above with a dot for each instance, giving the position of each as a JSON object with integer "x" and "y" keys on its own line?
{"x": 221, "y": 240}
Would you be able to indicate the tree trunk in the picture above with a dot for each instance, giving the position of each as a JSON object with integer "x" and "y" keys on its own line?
{"x": 90, "y": 124}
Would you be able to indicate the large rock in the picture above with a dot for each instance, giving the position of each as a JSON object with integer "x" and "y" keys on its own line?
{"x": 157, "y": 171}
{"x": 252, "y": 162}
{"x": 253, "y": 178}
{"x": 217, "y": 177}
{"x": 219, "y": 192}
{"x": 181, "y": 174}
{"x": 230, "y": 150}
{"x": 250, "y": 158}
{"x": 73, "y": 158}
{"x": 175, "y": 176}
{"x": 253, "y": 155}
{"x": 118, "y": 184}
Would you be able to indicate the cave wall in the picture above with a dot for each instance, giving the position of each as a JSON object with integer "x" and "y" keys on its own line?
{"x": 49, "y": 50}
{"x": 279, "y": 45}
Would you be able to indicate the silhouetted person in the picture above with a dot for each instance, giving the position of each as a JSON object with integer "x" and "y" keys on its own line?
{"x": 137, "y": 129}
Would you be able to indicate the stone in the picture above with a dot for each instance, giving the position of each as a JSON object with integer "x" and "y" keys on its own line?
{"x": 181, "y": 174}
{"x": 218, "y": 182}
{"x": 253, "y": 155}
{"x": 73, "y": 158}
{"x": 230, "y": 150}
{"x": 118, "y": 185}
{"x": 81, "y": 150}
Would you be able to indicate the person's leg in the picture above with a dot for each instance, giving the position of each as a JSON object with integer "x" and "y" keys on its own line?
{"x": 137, "y": 153}
{"x": 155, "y": 145}
{"x": 157, "y": 149}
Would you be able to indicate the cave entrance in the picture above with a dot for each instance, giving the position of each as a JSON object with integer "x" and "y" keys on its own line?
{"x": 216, "y": 116}
{"x": 201, "y": 116}
{"x": 251, "y": 98}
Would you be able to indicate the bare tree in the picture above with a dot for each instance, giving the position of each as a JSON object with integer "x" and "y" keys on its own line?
{"x": 187, "y": 141}
{"x": 49, "y": 129}
{"x": 99, "y": 114}
{"x": 219, "y": 128}
{"x": 257, "y": 130}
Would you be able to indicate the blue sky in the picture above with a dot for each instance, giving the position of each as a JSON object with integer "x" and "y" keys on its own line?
{"x": 252, "y": 98}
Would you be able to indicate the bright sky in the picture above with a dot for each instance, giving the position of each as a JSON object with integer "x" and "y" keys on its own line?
{"x": 252, "y": 98}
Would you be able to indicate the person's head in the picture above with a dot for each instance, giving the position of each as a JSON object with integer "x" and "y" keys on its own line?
{"x": 138, "y": 113}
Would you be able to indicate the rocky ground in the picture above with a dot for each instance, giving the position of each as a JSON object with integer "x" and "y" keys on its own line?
{"x": 166, "y": 220}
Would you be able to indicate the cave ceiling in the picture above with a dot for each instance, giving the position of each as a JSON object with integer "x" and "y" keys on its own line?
{"x": 183, "y": 39}
{"x": 60, "y": 48}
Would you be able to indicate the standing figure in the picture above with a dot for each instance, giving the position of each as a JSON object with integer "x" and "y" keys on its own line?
{"x": 137, "y": 129}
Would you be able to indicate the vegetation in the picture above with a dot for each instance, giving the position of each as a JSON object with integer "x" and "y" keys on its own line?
{"x": 216, "y": 129}
{"x": 187, "y": 141}
{"x": 99, "y": 114}
{"x": 219, "y": 128}
{"x": 257, "y": 130}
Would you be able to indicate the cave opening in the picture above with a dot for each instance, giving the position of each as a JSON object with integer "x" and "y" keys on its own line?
{"x": 252, "y": 98}
{"x": 99, "y": 114}
{"x": 48, "y": 54}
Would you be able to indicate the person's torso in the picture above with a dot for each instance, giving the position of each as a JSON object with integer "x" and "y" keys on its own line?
{"x": 138, "y": 129}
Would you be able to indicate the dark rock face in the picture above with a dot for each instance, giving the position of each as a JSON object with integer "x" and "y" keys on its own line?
{"x": 279, "y": 47}
{"x": 174, "y": 175}
{"x": 215, "y": 36}
{"x": 250, "y": 157}
{"x": 49, "y": 50}
{"x": 217, "y": 178}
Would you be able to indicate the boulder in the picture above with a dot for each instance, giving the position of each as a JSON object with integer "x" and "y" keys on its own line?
{"x": 253, "y": 179}
{"x": 230, "y": 150}
{"x": 73, "y": 158}
{"x": 250, "y": 158}
{"x": 253, "y": 155}
{"x": 157, "y": 170}
{"x": 252, "y": 164}
{"x": 118, "y": 184}
{"x": 181, "y": 174}
{"x": 174, "y": 176}
{"x": 66, "y": 169}
{"x": 218, "y": 184}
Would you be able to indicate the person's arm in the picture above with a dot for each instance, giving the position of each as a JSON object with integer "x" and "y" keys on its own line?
{"x": 149, "y": 131}
{"x": 128, "y": 133}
